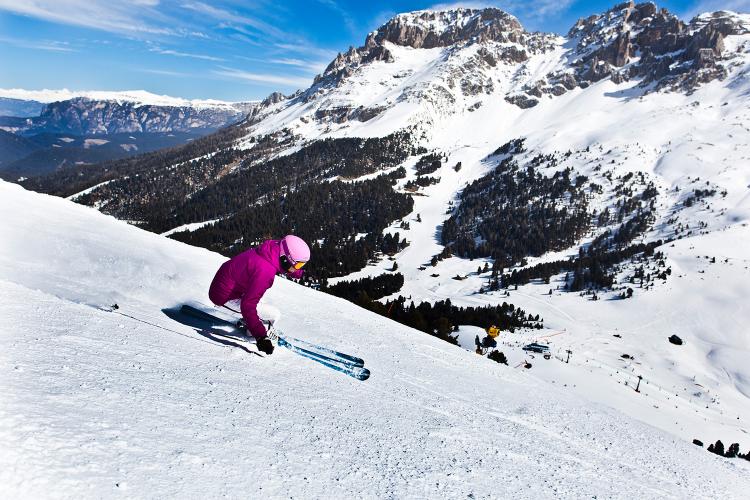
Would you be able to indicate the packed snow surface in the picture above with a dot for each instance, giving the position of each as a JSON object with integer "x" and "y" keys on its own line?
{"x": 100, "y": 404}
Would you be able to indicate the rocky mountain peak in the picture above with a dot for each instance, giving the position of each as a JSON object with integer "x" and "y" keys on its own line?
{"x": 273, "y": 98}
{"x": 607, "y": 41}
{"x": 643, "y": 43}
{"x": 427, "y": 29}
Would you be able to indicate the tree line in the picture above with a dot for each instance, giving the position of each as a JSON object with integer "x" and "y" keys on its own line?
{"x": 515, "y": 212}
{"x": 366, "y": 289}
{"x": 74, "y": 179}
{"x": 344, "y": 222}
{"x": 439, "y": 319}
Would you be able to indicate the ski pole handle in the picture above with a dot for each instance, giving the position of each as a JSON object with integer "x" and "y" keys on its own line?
{"x": 271, "y": 332}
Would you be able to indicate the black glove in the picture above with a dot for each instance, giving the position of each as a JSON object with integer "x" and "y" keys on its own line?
{"x": 264, "y": 344}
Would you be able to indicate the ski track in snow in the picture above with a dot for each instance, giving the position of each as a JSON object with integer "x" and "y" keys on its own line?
{"x": 96, "y": 404}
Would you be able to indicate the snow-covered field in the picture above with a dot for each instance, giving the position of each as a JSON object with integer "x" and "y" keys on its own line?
{"x": 704, "y": 386}
{"x": 98, "y": 404}
{"x": 681, "y": 143}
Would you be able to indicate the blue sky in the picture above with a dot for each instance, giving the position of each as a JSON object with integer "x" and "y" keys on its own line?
{"x": 223, "y": 49}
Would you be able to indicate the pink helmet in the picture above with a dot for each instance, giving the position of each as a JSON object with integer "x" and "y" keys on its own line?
{"x": 295, "y": 249}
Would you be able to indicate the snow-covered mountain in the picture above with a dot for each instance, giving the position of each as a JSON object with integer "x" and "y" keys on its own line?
{"x": 640, "y": 117}
{"x": 82, "y": 115}
{"x": 446, "y": 63}
{"x": 98, "y": 403}
{"x": 81, "y": 128}
{"x": 102, "y": 112}
{"x": 138, "y": 97}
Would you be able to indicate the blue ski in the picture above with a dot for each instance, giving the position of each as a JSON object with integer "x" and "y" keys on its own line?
{"x": 324, "y": 351}
{"x": 329, "y": 357}
{"x": 285, "y": 342}
{"x": 200, "y": 311}
{"x": 357, "y": 372}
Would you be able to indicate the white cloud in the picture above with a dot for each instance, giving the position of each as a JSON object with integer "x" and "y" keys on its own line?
{"x": 117, "y": 16}
{"x": 199, "y": 34}
{"x": 237, "y": 21}
{"x": 164, "y": 72}
{"x": 48, "y": 45}
{"x": 701, "y": 6}
{"x": 289, "y": 62}
{"x": 283, "y": 80}
{"x": 177, "y": 53}
{"x": 299, "y": 48}
{"x": 315, "y": 66}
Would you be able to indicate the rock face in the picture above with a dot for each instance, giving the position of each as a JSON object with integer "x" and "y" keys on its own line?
{"x": 629, "y": 42}
{"x": 639, "y": 41}
{"x": 429, "y": 29}
{"x": 433, "y": 29}
{"x": 522, "y": 101}
{"x": 346, "y": 113}
{"x": 84, "y": 116}
{"x": 674, "y": 339}
{"x": 273, "y": 98}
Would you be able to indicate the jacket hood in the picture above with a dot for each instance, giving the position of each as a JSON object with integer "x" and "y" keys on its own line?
{"x": 270, "y": 251}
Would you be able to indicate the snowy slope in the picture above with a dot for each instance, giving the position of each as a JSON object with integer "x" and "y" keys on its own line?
{"x": 679, "y": 141}
{"x": 674, "y": 139}
{"x": 453, "y": 100}
{"x": 96, "y": 404}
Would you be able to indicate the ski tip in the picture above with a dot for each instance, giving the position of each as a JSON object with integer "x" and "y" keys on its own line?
{"x": 363, "y": 374}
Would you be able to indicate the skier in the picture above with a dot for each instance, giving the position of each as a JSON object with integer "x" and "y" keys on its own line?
{"x": 248, "y": 275}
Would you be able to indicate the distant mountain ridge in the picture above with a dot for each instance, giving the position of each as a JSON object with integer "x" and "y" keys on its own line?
{"x": 91, "y": 127}
{"x": 82, "y": 115}
{"x": 140, "y": 97}
{"x": 123, "y": 112}
{"x": 21, "y": 108}
{"x": 627, "y": 42}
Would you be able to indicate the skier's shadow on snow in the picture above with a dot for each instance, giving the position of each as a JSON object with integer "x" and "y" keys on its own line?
{"x": 206, "y": 329}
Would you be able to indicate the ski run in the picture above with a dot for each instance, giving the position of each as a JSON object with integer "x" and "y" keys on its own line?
{"x": 99, "y": 405}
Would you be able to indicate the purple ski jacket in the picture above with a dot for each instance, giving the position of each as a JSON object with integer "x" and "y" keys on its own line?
{"x": 247, "y": 276}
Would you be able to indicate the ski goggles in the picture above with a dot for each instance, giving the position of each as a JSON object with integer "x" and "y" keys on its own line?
{"x": 288, "y": 263}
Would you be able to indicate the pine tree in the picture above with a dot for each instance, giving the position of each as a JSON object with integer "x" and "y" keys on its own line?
{"x": 717, "y": 448}
{"x": 498, "y": 357}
